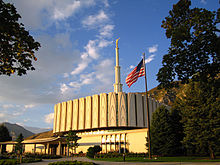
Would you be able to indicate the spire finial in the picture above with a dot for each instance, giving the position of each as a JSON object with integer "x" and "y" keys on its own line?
{"x": 117, "y": 42}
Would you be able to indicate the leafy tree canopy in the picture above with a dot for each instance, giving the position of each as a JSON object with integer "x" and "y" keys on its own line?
{"x": 194, "y": 52}
{"x": 17, "y": 46}
{"x": 72, "y": 139}
{"x": 4, "y": 134}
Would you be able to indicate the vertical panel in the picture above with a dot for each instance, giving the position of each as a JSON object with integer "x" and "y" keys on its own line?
{"x": 139, "y": 106}
{"x": 88, "y": 117}
{"x": 103, "y": 109}
{"x": 95, "y": 111}
{"x": 63, "y": 117}
{"x": 58, "y": 117}
{"x": 112, "y": 110}
{"x": 131, "y": 110}
{"x": 82, "y": 107}
{"x": 69, "y": 115}
{"x": 75, "y": 121}
{"x": 150, "y": 101}
{"x": 55, "y": 118}
{"x": 122, "y": 112}
{"x": 145, "y": 108}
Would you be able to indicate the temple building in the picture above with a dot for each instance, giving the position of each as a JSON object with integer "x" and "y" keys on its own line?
{"x": 116, "y": 121}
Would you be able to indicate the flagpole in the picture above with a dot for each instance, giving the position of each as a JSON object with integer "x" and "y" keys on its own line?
{"x": 148, "y": 115}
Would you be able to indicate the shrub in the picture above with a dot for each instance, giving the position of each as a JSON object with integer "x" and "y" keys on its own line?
{"x": 92, "y": 151}
{"x": 8, "y": 162}
{"x": 71, "y": 163}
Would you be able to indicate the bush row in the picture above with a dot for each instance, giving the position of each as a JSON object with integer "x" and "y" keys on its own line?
{"x": 41, "y": 156}
{"x": 72, "y": 163}
{"x": 15, "y": 161}
{"x": 116, "y": 155}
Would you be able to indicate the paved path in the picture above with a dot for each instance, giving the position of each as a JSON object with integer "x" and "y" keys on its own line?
{"x": 47, "y": 161}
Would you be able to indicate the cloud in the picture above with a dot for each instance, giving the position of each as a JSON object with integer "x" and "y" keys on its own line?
{"x": 106, "y": 31}
{"x": 95, "y": 20}
{"x": 203, "y": 2}
{"x": 41, "y": 14}
{"x": 49, "y": 118}
{"x": 7, "y": 106}
{"x": 63, "y": 88}
{"x": 80, "y": 68}
{"x": 149, "y": 59}
{"x": 66, "y": 11}
{"x": 41, "y": 86}
{"x": 131, "y": 66}
{"x": 91, "y": 49}
{"x": 29, "y": 106}
{"x": 153, "y": 49}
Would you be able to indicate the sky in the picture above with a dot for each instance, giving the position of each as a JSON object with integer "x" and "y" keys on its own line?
{"x": 77, "y": 54}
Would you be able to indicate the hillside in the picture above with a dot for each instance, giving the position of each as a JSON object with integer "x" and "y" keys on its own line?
{"x": 36, "y": 129}
{"x": 167, "y": 96}
{"x": 15, "y": 130}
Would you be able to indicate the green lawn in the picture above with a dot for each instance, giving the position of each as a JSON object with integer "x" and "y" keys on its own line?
{"x": 161, "y": 159}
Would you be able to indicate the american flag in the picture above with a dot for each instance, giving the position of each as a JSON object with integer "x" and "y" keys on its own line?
{"x": 138, "y": 71}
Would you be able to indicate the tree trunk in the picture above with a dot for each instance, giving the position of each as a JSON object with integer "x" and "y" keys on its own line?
{"x": 212, "y": 154}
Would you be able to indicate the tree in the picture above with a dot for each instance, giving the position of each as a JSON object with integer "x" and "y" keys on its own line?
{"x": 4, "y": 136}
{"x": 200, "y": 110}
{"x": 19, "y": 146}
{"x": 164, "y": 133}
{"x": 194, "y": 52}
{"x": 72, "y": 139}
{"x": 17, "y": 46}
{"x": 92, "y": 151}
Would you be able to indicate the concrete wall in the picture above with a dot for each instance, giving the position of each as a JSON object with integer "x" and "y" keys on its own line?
{"x": 104, "y": 110}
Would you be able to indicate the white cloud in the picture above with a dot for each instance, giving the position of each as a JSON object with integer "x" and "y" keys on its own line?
{"x": 106, "y": 31}
{"x": 49, "y": 118}
{"x": 75, "y": 84}
{"x": 29, "y": 106}
{"x": 204, "y": 2}
{"x": 131, "y": 66}
{"x": 7, "y": 106}
{"x": 104, "y": 43}
{"x": 149, "y": 59}
{"x": 95, "y": 20}
{"x": 87, "y": 78}
{"x": 105, "y": 72}
{"x": 153, "y": 49}
{"x": 79, "y": 68}
{"x": 63, "y": 88}
{"x": 66, "y": 11}
{"x": 91, "y": 49}
{"x": 2, "y": 115}
{"x": 65, "y": 75}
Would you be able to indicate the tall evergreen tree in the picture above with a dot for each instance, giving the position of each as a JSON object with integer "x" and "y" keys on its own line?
{"x": 200, "y": 110}
{"x": 160, "y": 132}
{"x": 4, "y": 136}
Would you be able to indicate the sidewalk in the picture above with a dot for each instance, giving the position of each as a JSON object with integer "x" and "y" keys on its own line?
{"x": 47, "y": 161}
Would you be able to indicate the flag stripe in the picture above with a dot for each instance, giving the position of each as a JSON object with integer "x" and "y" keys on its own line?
{"x": 138, "y": 71}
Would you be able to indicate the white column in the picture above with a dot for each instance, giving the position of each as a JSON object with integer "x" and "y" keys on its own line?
{"x": 117, "y": 85}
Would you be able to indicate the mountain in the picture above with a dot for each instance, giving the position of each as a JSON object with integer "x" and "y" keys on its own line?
{"x": 15, "y": 130}
{"x": 36, "y": 129}
{"x": 167, "y": 96}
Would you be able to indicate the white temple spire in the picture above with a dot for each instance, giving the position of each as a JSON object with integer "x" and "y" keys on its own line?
{"x": 117, "y": 85}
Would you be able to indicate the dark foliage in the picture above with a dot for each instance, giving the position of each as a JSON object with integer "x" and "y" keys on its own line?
{"x": 17, "y": 46}
{"x": 194, "y": 52}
